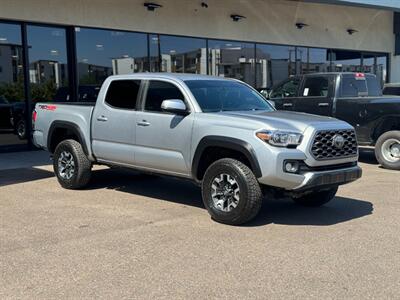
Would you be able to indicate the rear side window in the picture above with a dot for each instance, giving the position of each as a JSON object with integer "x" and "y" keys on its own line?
{"x": 123, "y": 93}
{"x": 316, "y": 87}
{"x": 353, "y": 87}
{"x": 373, "y": 86}
{"x": 157, "y": 92}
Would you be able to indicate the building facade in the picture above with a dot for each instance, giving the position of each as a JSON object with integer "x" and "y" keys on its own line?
{"x": 63, "y": 50}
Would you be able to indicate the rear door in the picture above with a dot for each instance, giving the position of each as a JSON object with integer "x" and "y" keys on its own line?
{"x": 284, "y": 94}
{"x": 163, "y": 139}
{"x": 316, "y": 95}
{"x": 114, "y": 121}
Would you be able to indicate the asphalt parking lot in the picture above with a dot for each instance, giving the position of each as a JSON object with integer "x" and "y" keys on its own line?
{"x": 136, "y": 236}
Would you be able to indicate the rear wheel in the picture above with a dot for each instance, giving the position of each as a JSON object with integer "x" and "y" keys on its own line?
{"x": 387, "y": 150}
{"x": 71, "y": 165}
{"x": 231, "y": 192}
{"x": 316, "y": 199}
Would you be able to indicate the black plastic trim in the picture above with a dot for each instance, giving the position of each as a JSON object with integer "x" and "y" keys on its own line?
{"x": 229, "y": 143}
{"x": 70, "y": 126}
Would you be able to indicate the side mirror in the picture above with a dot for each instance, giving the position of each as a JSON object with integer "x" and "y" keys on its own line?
{"x": 175, "y": 106}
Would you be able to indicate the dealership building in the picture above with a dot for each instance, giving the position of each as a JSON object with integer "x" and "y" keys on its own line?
{"x": 63, "y": 50}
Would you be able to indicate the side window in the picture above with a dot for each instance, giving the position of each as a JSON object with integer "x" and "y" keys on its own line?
{"x": 316, "y": 87}
{"x": 287, "y": 89}
{"x": 123, "y": 93}
{"x": 353, "y": 87}
{"x": 157, "y": 92}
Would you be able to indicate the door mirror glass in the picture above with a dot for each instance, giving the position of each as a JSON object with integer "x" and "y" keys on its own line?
{"x": 175, "y": 106}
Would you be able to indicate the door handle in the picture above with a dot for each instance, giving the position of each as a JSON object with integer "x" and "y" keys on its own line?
{"x": 287, "y": 104}
{"x": 102, "y": 118}
{"x": 323, "y": 104}
{"x": 143, "y": 123}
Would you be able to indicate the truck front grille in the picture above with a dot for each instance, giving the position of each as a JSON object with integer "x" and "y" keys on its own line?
{"x": 334, "y": 144}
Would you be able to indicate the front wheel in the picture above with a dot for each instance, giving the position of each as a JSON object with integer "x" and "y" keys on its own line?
{"x": 316, "y": 199}
{"x": 231, "y": 192}
{"x": 71, "y": 165}
{"x": 387, "y": 150}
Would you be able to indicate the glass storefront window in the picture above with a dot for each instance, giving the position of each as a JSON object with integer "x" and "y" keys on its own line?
{"x": 101, "y": 53}
{"x": 345, "y": 61}
{"x": 12, "y": 99}
{"x": 178, "y": 54}
{"x": 313, "y": 60}
{"x": 232, "y": 59}
{"x": 273, "y": 64}
{"x": 381, "y": 69}
{"x": 48, "y": 68}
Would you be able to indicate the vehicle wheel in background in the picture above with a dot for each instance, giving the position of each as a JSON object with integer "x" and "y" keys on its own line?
{"x": 316, "y": 199}
{"x": 387, "y": 150}
{"x": 21, "y": 129}
{"x": 71, "y": 165}
{"x": 231, "y": 192}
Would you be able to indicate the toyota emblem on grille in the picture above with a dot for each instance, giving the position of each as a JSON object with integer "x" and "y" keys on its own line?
{"x": 338, "y": 141}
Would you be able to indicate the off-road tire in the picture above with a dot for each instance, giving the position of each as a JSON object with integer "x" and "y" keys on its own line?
{"x": 379, "y": 148}
{"x": 82, "y": 165}
{"x": 316, "y": 199}
{"x": 249, "y": 192}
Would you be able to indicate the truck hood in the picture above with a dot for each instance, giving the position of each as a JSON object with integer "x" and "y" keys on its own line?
{"x": 284, "y": 120}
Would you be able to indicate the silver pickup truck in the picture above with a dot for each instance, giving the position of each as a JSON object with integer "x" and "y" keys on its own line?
{"x": 220, "y": 133}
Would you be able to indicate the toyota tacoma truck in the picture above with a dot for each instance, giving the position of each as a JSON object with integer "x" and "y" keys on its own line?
{"x": 220, "y": 133}
{"x": 353, "y": 97}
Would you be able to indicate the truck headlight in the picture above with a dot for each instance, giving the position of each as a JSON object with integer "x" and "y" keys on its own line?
{"x": 280, "y": 138}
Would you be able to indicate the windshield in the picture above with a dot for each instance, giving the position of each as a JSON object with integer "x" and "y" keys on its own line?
{"x": 224, "y": 95}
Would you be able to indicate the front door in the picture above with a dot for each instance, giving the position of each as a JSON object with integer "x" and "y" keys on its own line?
{"x": 163, "y": 139}
{"x": 113, "y": 123}
{"x": 315, "y": 96}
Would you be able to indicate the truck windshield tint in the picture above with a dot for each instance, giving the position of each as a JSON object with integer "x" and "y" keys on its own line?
{"x": 353, "y": 86}
{"x": 219, "y": 95}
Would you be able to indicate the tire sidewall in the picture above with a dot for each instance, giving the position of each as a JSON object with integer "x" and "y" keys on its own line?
{"x": 234, "y": 171}
{"x": 66, "y": 146}
{"x": 378, "y": 150}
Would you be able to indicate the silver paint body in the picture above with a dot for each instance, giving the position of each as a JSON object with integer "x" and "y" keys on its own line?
{"x": 165, "y": 143}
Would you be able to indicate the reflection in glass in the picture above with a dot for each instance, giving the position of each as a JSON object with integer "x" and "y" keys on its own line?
{"x": 345, "y": 61}
{"x": 381, "y": 69}
{"x": 177, "y": 54}
{"x": 102, "y": 53}
{"x": 48, "y": 69}
{"x": 313, "y": 60}
{"x": 232, "y": 59}
{"x": 12, "y": 99}
{"x": 274, "y": 64}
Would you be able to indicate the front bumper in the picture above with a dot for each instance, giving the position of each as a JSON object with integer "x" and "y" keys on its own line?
{"x": 323, "y": 179}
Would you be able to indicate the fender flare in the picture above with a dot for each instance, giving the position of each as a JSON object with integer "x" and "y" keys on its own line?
{"x": 70, "y": 126}
{"x": 229, "y": 143}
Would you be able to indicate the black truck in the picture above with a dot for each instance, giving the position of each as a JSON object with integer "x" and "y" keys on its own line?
{"x": 353, "y": 97}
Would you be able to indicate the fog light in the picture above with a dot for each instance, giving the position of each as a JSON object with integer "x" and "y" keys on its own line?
{"x": 291, "y": 166}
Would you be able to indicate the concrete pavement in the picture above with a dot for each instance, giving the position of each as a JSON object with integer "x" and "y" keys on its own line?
{"x": 135, "y": 236}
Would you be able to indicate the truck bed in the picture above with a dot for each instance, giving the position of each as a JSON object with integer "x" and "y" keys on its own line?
{"x": 77, "y": 115}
